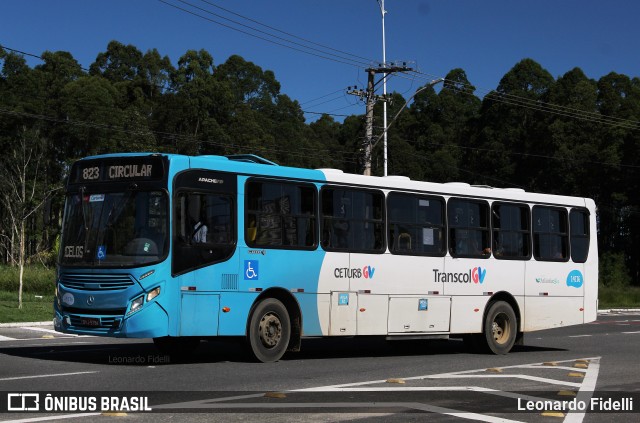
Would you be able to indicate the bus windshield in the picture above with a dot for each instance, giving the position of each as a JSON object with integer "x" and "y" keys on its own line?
{"x": 117, "y": 229}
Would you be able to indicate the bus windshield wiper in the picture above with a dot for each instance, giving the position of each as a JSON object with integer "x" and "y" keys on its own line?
{"x": 84, "y": 210}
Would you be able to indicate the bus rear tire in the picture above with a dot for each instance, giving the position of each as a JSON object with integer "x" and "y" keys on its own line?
{"x": 500, "y": 328}
{"x": 269, "y": 330}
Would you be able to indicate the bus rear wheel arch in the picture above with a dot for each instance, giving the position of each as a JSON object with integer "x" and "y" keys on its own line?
{"x": 269, "y": 330}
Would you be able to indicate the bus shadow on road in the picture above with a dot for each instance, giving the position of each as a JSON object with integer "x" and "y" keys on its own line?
{"x": 327, "y": 348}
{"x": 144, "y": 353}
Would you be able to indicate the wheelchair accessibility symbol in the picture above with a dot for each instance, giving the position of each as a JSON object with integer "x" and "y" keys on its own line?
{"x": 251, "y": 270}
{"x": 102, "y": 252}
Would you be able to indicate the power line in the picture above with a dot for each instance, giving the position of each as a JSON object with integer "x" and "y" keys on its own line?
{"x": 504, "y": 98}
{"x": 515, "y": 100}
{"x": 340, "y": 97}
{"x": 306, "y": 152}
{"x": 281, "y": 40}
{"x": 325, "y": 113}
{"x": 300, "y": 153}
{"x": 284, "y": 32}
{"x": 321, "y": 97}
{"x": 538, "y": 156}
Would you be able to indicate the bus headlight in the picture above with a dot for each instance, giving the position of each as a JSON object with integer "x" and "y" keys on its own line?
{"x": 136, "y": 304}
{"x": 154, "y": 293}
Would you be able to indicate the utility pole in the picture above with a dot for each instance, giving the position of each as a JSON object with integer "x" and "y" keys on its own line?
{"x": 371, "y": 99}
{"x": 418, "y": 91}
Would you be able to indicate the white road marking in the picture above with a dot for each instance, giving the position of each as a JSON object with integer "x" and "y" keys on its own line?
{"x": 6, "y": 338}
{"x": 454, "y": 374}
{"x": 344, "y": 405}
{"x": 579, "y": 336}
{"x": 514, "y": 376}
{"x": 39, "y": 339}
{"x": 44, "y": 419}
{"x": 49, "y": 331}
{"x": 51, "y": 375}
{"x": 629, "y": 333}
{"x": 573, "y": 369}
{"x": 586, "y": 390}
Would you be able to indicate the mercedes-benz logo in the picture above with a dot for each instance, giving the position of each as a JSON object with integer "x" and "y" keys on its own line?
{"x": 90, "y": 300}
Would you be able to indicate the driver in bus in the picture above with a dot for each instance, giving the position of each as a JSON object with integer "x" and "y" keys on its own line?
{"x": 199, "y": 228}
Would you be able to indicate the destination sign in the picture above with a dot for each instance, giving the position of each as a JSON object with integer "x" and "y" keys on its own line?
{"x": 143, "y": 168}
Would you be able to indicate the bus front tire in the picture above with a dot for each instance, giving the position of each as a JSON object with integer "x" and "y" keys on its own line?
{"x": 500, "y": 328}
{"x": 269, "y": 330}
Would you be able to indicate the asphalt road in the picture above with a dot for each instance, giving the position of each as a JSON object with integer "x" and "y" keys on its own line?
{"x": 354, "y": 379}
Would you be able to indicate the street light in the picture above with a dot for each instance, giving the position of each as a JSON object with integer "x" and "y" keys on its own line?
{"x": 384, "y": 85}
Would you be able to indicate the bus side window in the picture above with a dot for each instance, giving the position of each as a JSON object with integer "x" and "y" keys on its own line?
{"x": 352, "y": 220}
{"x": 579, "y": 228}
{"x": 469, "y": 228}
{"x": 550, "y": 234}
{"x": 511, "y": 231}
{"x": 416, "y": 224}
{"x": 203, "y": 230}
{"x": 280, "y": 214}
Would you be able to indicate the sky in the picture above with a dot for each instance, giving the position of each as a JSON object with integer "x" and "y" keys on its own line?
{"x": 322, "y": 47}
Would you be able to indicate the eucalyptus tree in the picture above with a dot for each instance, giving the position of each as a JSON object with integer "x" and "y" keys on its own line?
{"x": 511, "y": 129}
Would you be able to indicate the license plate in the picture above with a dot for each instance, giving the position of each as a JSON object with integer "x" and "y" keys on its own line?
{"x": 90, "y": 321}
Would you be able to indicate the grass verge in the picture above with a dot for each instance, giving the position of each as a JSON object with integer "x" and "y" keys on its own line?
{"x": 37, "y": 279}
{"x": 35, "y": 308}
{"x": 618, "y": 297}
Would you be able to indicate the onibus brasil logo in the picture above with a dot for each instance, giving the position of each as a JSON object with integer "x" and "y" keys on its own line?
{"x": 475, "y": 275}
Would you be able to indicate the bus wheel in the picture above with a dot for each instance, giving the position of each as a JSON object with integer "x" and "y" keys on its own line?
{"x": 269, "y": 330}
{"x": 500, "y": 328}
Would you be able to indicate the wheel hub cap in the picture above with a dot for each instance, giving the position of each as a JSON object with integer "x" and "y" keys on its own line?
{"x": 270, "y": 330}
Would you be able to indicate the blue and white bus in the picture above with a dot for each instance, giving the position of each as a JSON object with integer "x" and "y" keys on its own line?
{"x": 181, "y": 249}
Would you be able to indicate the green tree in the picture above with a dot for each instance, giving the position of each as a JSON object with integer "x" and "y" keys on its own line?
{"x": 23, "y": 195}
{"x": 325, "y": 134}
{"x": 574, "y": 137}
{"x": 195, "y": 111}
{"x": 619, "y": 98}
{"x": 511, "y": 131}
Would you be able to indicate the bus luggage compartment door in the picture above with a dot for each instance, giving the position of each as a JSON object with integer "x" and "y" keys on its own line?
{"x": 343, "y": 313}
{"x": 419, "y": 314}
{"x": 199, "y": 314}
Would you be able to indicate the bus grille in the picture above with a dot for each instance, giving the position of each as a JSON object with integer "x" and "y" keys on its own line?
{"x": 97, "y": 282}
{"x": 104, "y": 322}
{"x": 115, "y": 311}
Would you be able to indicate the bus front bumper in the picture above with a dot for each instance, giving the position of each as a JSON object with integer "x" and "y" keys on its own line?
{"x": 151, "y": 321}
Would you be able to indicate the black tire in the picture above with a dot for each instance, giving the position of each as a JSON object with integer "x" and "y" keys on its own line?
{"x": 500, "y": 328}
{"x": 269, "y": 330}
{"x": 179, "y": 347}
